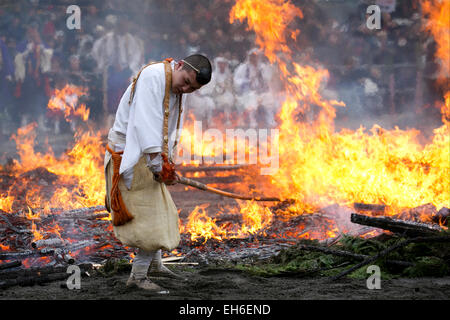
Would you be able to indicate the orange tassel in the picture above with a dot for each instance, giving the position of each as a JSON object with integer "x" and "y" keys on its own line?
{"x": 168, "y": 169}
{"x": 121, "y": 214}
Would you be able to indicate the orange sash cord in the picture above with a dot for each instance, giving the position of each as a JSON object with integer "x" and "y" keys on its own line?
{"x": 121, "y": 214}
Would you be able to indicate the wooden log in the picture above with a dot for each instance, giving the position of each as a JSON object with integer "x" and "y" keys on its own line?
{"x": 442, "y": 216}
{"x": 53, "y": 242}
{"x": 35, "y": 271}
{"x": 81, "y": 212}
{"x": 369, "y": 207}
{"x": 87, "y": 216}
{"x": 11, "y": 264}
{"x": 407, "y": 228}
{"x": 13, "y": 274}
{"x": 63, "y": 256}
{"x": 40, "y": 276}
{"x": 18, "y": 255}
{"x": 34, "y": 280}
{"x": 80, "y": 245}
{"x": 421, "y": 213}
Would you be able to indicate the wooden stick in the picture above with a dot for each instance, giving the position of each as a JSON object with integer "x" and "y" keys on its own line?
{"x": 53, "y": 242}
{"x": 201, "y": 186}
{"x": 389, "y": 250}
{"x": 211, "y": 168}
{"x": 223, "y": 180}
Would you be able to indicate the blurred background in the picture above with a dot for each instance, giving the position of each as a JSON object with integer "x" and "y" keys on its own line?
{"x": 385, "y": 76}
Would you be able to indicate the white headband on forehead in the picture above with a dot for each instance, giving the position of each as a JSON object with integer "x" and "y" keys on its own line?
{"x": 190, "y": 65}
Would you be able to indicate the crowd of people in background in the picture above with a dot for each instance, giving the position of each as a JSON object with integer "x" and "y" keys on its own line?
{"x": 387, "y": 71}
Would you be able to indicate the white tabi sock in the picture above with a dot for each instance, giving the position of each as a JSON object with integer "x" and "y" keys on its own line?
{"x": 141, "y": 263}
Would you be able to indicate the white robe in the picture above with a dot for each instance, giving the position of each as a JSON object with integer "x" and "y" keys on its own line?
{"x": 138, "y": 128}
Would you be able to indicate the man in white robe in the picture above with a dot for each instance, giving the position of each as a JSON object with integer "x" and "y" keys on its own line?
{"x": 139, "y": 131}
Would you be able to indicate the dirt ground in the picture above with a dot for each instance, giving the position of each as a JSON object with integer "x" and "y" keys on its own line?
{"x": 206, "y": 283}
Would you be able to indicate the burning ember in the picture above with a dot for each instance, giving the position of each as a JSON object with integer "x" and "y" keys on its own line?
{"x": 323, "y": 174}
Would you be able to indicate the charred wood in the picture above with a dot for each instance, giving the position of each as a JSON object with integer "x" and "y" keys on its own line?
{"x": 420, "y": 214}
{"x": 20, "y": 255}
{"x": 53, "y": 242}
{"x": 34, "y": 272}
{"x": 11, "y": 264}
{"x": 408, "y": 228}
{"x": 12, "y": 227}
{"x": 369, "y": 207}
{"x": 31, "y": 281}
{"x": 38, "y": 276}
{"x": 442, "y": 216}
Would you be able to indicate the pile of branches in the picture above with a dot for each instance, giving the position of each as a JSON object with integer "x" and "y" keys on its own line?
{"x": 406, "y": 249}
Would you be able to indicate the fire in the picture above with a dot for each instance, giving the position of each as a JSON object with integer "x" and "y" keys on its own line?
{"x": 66, "y": 101}
{"x": 269, "y": 20}
{"x": 439, "y": 26}
{"x": 200, "y": 225}
{"x": 6, "y": 203}
{"x": 319, "y": 166}
{"x": 78, "y": 174}
{"x": 36, "y": 234}
{"x": 255, "y": 218}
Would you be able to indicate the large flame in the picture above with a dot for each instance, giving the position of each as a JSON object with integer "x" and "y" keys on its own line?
{"x": 319, "y": 166}
{"x": 438, "y": 24}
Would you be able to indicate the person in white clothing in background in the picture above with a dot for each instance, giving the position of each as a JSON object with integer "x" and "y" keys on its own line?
{"x": 222, "y": 89}
{"x": 254, "y": 96}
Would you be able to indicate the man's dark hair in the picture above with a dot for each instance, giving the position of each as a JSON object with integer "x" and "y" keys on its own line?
{"x": 201, "y": 65}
